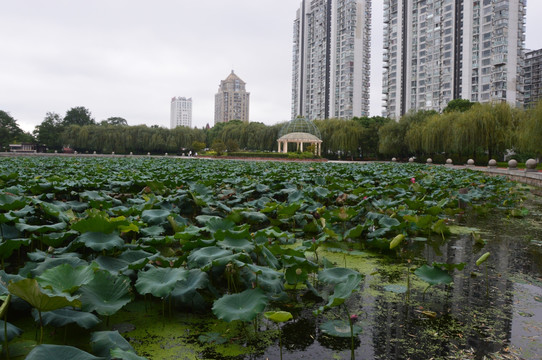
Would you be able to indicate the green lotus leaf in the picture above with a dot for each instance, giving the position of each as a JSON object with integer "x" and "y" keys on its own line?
{"x": 354, "y": 232}
{"x": 58, "y": 238}
{"x": 244, "y": 306}
{"x": 136, "y": 259}
{"x": 185, "y": 291}
{"x": 102, "y": 342}
{"x": 189, "y": 232}
{"x": 288, "y": 210}
{"x": 398, "y": 289}
{"x": 99, "y": 241}
{"x": 7, "y": 246}
{"x": 234, "y": 240}
{"x": 254, "y": 217}
{"x": 30, "y": 291}
{"x": 336, "y": 275}
{"x": 278, "y": 316}
{"x": 125, "y": 355}
{"x": 340, "y": 328}
{"x": 10, "y": 202}
{"x": 341, "y": 292}
{"x": 98, "y": 221}
{"x": 388, "y": 222}
{"x": 268, "y": 279}
{"x": 205, "y": 256}
{"x": 106, "y": 294}
{"x": 65, "y": 316}
{"x": 321, "y": 192}
{"x": 155, "y": 216}
{"x": 65, "y": 278}
{"x": 51, "y": 262}
{"x": 60, "y": 352}
{"x": 56, "y": 212}
{"x": 270, "y": 258}
{"x": 215, "y": 223}
{"x": 433, "y": 275}
{"x": 159, "y": 281}
{"x": 40, "y": 228}
{"x": 155, "y": 230}
{"x": 12, "y": 331}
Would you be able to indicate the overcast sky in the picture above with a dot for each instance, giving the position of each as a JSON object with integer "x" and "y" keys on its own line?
{"x": 129, "y": 58}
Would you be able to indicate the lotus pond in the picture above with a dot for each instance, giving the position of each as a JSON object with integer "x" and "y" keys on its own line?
{"x": 157, "y": 258}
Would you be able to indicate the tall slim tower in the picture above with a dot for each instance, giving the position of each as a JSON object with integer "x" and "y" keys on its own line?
{"x": 439, "y": 50}
{"x": 533, "y": 77}
{"x": 232, "y": 100}
{"x": 331, "y": 60}
{"x": 181, "y": 112}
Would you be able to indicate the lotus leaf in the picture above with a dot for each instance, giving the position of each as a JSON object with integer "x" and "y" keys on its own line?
{"x": 342, "y": 292}
{"x": 65, "y": 316}
{"x": 102, "y": 342}
{"x": 7, "y": 246}
{"x": 336, "y": 275}
{"x": 205, "y": 256}
{"x": 105, "y": 294}
{"x": 244, "y": 306}
{"x": 11, "y": 202}
{"x": 30, "y": 291}
{"x": 234, "y": 240}
{"x": 65, "y": 278}
{"x": 159, "y": 281}
{"x": 125, "y": 355}
{"x": 99, "y": 241}
{"x": 40, "y": 228}
{"x": 433, "y": 275}
{"x": 254, "y": 217}
{"x": 278, "y": 316}
{"x": 51, "y": 262}
{"x": 185, "y": 291}
{"x": 340, "y": 328}
{"x": 268, "y": 279}
{"x": 60, "y": 352}
{"x": 212, "y": 338}
{"x": 12, "y": 331}
{"x": 155, "y": 216}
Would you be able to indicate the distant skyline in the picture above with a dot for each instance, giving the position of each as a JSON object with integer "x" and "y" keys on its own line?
{"x": 127, "y": 59}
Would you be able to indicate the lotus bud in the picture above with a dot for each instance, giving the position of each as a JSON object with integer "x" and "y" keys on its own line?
{"x": 298, "y": 271}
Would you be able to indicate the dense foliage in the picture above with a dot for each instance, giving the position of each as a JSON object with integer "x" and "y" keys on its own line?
{"x": 81, "y": 238}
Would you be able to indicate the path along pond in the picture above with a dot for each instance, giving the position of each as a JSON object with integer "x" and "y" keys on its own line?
{"x": 242, "y": 260}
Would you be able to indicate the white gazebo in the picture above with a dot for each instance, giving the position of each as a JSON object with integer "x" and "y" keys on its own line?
{"x": 300, "y": 131}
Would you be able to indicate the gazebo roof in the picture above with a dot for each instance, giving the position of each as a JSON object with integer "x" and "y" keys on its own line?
{"x": 300, "y": 125}
{"x": 299, "y": 137}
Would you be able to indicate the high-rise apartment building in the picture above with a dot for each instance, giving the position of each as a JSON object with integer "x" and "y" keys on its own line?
{"x": 181, "y": 112}
{"x": 232, "y": 100}
{"x": 331, "y": 60}
{"x": 439, "y": 50}
{"x": 533, "y": 77}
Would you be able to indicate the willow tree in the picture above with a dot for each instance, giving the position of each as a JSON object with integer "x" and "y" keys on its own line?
{"x": 529, "y": 132}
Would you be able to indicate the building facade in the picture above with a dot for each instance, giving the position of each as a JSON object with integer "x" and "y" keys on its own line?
{"x": 232, "y": 100}
{"x": 439, "y": 50}
{"x": 181, "y": 112}
{"x": 331, "y": 59}
{"x": 533, "y": 77}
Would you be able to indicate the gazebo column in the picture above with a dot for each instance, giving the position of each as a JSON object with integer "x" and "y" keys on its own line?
{"x": 285, "y": 146}
{"x": 319, "y": 146}
{"x": 302, "y": 146}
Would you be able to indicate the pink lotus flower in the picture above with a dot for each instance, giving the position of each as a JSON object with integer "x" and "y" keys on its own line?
{"x": 353, "y": 317}
{"x": 365, "y": 198}
{"x": 413, "y": 180}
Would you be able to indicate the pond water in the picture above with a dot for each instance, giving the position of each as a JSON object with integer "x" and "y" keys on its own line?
{"x": 492, "y": 310}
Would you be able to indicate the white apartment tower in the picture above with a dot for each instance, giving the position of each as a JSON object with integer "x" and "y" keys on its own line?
{"x": 439, "y": 50}
{"x": 331, "y": 60}
{"x": 181, "y": 112}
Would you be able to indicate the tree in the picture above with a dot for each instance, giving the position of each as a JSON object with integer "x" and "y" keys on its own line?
{"x": 458, "y": 105}
{"x": 232, "y": 145}
{"x": 9, "y": 130}
{"x": 218, "y": 146}
{"x": 49, "y": 132}
{"x": 78, "y": 116}
{"x": 198, "y": 146}
{"x": 115, "y": 121}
